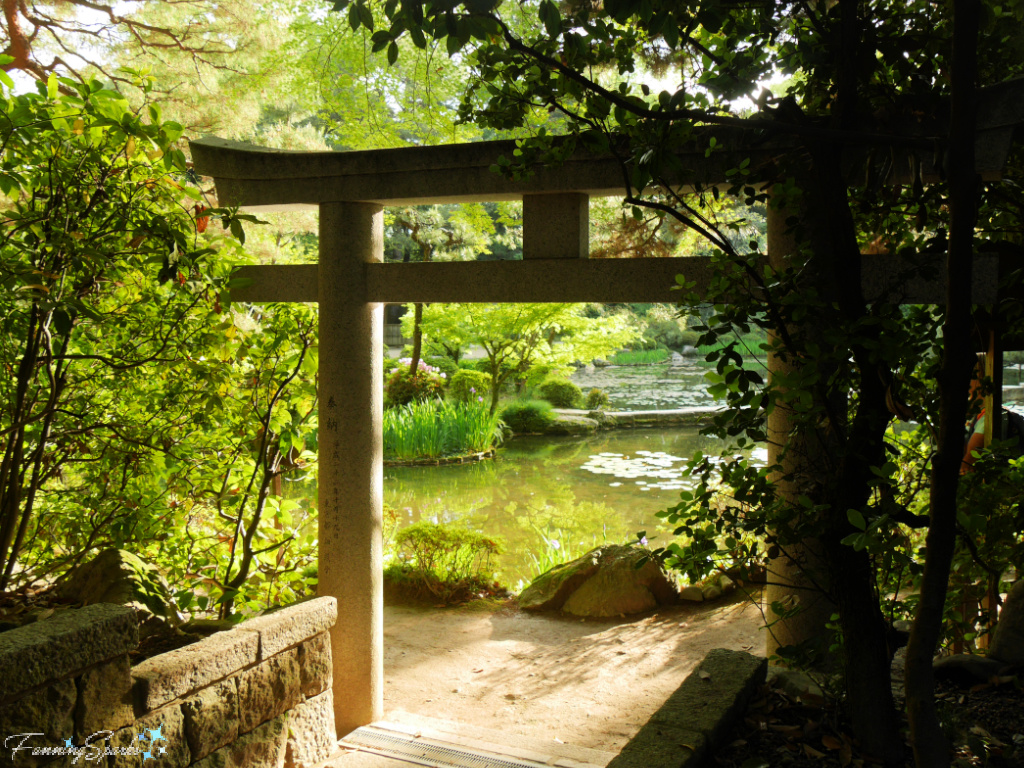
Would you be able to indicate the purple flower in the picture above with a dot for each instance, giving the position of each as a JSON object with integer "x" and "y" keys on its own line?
{"x": 472, "y": 390}
{"x": 643, "y": 541}
{"x": 479, "y": 399}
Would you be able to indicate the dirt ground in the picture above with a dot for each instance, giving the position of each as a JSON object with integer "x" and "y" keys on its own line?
{"x": 589, "y": 683}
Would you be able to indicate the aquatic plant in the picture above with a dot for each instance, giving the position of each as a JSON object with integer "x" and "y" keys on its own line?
{"x": 639, "y": 357}
{"x": 434, "y": 428}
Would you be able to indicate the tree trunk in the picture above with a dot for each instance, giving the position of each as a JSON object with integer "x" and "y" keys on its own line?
{"x": 958, "y": 360}
{"x": 417, "y": 338}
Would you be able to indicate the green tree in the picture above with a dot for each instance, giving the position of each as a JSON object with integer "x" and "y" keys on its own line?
{"x": 255, "y": 423}
{"x": 103, "y": 273}
{"x": 515, "y": 336}
{"x": 861, "y": 78}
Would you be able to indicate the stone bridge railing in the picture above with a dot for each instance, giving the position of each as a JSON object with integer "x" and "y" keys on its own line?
{"x": 257, "y": 695}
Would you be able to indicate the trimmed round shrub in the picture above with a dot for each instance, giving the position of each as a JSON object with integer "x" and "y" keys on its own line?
{"x": 470, "y": 386}
{"x": 522, "y": 416}
{"x": 597, "y": 399}
{"x": 561, "y": 393}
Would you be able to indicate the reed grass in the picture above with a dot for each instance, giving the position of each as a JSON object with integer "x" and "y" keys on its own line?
{"x": 640, "y": 357}
{"x": 434, "y": 428}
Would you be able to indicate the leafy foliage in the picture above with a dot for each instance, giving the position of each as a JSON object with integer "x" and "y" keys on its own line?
{"x": 597, "y": 399}
{"x": 103, "y": 277}
{"x": 515, "y": 336}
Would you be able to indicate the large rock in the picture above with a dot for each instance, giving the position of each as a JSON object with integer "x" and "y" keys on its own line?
{"x": 550, "y": 590}
{"x": 571, "y": 424}
{"x": 118, "y": 576}
{"x": 607, "y": 581}
{"x": 1008, "y": 639}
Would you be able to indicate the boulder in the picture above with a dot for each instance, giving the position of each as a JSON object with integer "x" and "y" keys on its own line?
{"x": 118, "y": 576}
{"x": 605, "y": 582}
{"x": 1008, "y": 639}
{"x": 550, "y": 590}
{"x": 571, "y": 424}
{"x": 966, "y": 670}
{"x": 692, "y": 593}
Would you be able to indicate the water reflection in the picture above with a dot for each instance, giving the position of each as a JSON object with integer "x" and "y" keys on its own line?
{"x": 576, "y": 492}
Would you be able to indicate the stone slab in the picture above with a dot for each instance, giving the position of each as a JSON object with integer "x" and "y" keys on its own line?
{"x": 312, "y": 737}
{"x": 695, "y": 719}
{"x": 47, "y": 713}
{"x": 315, "y": 666}
{"x": 269, "y": 689}
{"x": 69, "y": 641}
{"x": 163, "y": 739}
{"x": 212, "y": 718}
{"x": 104, "y": 698}
{"x": 262, "y": 748}
{"x": 178, "y": 673}
{"x": 289, "y": 626}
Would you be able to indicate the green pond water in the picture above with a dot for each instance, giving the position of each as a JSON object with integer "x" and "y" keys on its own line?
{"x": 551, "y": 497}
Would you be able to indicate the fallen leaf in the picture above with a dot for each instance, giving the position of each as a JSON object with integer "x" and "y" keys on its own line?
{"x": 704, "y": 675}
{"x": 812, "y": 700}
{"x": 812, "y": 752}
{"x": 831, "y": 742}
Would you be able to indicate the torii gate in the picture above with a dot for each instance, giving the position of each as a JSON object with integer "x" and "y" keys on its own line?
{"x": 351, "y": 282}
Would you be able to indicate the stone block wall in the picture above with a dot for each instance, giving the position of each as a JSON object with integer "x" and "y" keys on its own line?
{"x": 256, "y": 696}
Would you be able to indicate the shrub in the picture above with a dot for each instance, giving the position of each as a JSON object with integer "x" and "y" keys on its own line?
{"x": 401, "y": 387}
{"x": 524, "y": 416}
{"x": 470, "y": 386}
{"x": 443, "y": 561}
{"x": 561, "y": 393}
{"x": 597, "y": 399}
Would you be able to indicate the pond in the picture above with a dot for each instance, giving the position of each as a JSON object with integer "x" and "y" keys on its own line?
{"x": 650, "y": 387}
{"x": 551, "y": 497}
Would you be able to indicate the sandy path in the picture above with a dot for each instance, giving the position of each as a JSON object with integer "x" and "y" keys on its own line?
{"x": 589, "y": 683}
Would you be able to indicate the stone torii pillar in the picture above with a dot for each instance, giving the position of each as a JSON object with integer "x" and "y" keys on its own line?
{"x": 351, "y": 480}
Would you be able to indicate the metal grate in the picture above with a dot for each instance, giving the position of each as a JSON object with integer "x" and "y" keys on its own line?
{"x": 422, "y": 752}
